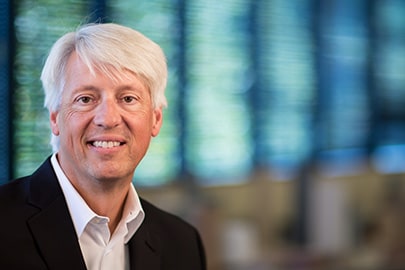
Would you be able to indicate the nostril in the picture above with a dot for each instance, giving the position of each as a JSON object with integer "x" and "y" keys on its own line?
{"x": 107, "y": 115}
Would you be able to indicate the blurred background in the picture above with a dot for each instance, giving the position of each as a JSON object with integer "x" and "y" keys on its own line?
{"x": 284, "y": 140}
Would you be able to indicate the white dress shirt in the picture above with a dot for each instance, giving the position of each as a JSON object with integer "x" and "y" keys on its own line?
{"x": 100, "y": 249}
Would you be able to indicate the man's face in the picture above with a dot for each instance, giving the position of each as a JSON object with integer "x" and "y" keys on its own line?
{"x": 105, "y": 126}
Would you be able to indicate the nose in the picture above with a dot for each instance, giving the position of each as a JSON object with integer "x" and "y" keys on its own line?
{"x": 107, "y": 114}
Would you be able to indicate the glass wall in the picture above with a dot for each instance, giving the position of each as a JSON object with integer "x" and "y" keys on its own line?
{"x": 252, "y": 84}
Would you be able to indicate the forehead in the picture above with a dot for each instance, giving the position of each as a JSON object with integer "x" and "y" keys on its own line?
{"x": 78, "y": 72}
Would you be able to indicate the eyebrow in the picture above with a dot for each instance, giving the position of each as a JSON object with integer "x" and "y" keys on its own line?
{"x": 85, "y": 87}
{"x": 130, "y": 87}
{"x": 138, "y": 88}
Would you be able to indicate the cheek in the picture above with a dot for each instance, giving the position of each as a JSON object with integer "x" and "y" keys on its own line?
{"x": 69, "y": 122}
{"x": 140, "y": 126}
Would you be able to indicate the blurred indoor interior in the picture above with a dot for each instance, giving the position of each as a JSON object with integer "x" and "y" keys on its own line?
{"x": 284, "y": 139}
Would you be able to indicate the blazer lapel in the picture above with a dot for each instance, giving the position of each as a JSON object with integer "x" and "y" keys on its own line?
{"x": 52, "y": 227}
{"x": 144, "y": 249}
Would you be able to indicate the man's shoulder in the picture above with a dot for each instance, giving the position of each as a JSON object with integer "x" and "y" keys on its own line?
{"x": 14, "y": 189}
{"x": 18, "y": 190}
{"x": 161, "y": 219}
{"x": 179, "y": 240}
{"x": 14, "y": 197}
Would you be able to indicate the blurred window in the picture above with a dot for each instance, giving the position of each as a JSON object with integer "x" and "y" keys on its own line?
{"x": 252, "y": 84}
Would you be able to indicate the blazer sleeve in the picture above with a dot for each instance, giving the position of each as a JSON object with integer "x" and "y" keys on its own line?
{"x": 165, "y": 241}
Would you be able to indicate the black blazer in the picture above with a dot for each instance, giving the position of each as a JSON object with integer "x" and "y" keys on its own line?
{"x": 37, "y": 232}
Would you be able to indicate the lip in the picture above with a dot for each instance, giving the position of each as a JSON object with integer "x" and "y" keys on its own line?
{"x": 106, "y": 140}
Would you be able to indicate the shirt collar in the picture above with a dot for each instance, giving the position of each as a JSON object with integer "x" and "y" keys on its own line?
{"x": 81, "y": 213}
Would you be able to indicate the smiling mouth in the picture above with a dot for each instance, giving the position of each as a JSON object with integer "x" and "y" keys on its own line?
{"x": 106, "y": 144}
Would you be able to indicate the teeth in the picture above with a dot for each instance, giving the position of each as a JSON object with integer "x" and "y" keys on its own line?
{"x": 106, "y": 144}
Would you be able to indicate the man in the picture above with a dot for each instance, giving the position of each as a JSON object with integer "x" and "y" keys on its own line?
{"x": 104, "y": 89}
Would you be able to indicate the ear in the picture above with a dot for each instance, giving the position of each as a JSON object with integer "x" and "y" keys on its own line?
{"x": 53, "y": 119}
{"x": 157, "y": 121}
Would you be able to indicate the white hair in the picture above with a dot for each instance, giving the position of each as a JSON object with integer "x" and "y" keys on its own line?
{"x": 110, "y": 48}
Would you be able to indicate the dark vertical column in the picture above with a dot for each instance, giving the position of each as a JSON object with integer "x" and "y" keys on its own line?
{"x": 98, "y": 11}
{"x": 374, "y": 105}
{"x": 6, "y": 55}
{"x": 255, "y": 89}
{"x": 183, "y": 82}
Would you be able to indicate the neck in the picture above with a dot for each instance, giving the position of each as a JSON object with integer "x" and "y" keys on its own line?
{"x": 106, "y": 202}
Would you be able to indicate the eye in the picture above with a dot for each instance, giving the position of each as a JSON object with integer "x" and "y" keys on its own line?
{"x": 84, "y": 99}
{"x": 129, "y": 99}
